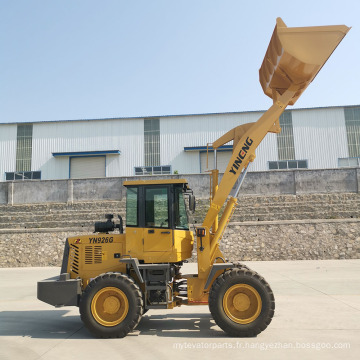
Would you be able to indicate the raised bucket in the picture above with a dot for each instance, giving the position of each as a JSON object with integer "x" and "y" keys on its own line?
{"x": 295, "y": 56}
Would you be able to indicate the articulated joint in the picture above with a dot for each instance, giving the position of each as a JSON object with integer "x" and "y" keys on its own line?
{"x": 280, "y": 104}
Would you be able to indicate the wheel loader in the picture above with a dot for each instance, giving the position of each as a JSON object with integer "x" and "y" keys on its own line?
{"x": 115, "y": 275}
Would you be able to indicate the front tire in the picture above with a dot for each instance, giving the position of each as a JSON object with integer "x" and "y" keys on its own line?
{"x": 241, "y": 302}
{"x": 111, "y": 305}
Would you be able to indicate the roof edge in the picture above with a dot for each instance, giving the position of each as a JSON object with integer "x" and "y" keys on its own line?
{"x": 171, "y": 116}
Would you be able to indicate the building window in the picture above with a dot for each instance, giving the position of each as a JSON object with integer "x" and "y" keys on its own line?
{"x": 24, "y": 148}
{"x": 288, "y": 164}
{"x": 152, "y": 142}
{"x": 285, "y": 140}
{"x": 352, "y": 123}
{"x": 23, "y": 175}
{"x": 348, "y": 162}
{"x": 153, "y": 170}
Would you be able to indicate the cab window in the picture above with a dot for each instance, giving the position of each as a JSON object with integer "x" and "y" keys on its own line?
{"x": 181, "y": 218}
{"x": 156, "y": 207}
{"x": 132, "y": 206}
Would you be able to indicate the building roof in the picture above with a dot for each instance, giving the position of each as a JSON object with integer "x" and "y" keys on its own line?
{"x": 179, "y": 115}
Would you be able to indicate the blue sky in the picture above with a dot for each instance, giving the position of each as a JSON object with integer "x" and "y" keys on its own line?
{"x": 86, "y": 59}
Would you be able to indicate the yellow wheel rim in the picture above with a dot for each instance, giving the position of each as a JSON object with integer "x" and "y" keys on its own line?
{"x": 242, "y": 303}
{"x": 109, "y": 306}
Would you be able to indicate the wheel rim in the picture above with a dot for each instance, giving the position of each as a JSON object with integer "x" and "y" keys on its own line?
{"x": 242, "y": 303}
{"x": 109, "y": 306}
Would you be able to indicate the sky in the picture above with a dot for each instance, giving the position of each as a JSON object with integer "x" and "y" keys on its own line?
{"x": 87, "y": 59}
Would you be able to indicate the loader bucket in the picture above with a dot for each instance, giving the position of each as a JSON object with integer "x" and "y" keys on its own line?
{"x": 295, "y": 56}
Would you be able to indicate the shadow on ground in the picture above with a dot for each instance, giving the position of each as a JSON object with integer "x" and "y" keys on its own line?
{"x": 59, "y": 324}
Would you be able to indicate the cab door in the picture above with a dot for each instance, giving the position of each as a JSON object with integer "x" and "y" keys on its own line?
{"x": 158, "y": 233}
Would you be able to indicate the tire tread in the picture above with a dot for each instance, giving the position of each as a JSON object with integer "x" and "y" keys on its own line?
{"x": 126, "y": 326}
{"x": 221, "y": 319}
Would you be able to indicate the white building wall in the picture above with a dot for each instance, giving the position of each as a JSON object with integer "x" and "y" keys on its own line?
{"x": 178, "y": 132}
{"x": 7, "y": 149}
{"x": 266, "y": 151}
{"x": 320, "y": 136}
{"x": 125, "y": 135}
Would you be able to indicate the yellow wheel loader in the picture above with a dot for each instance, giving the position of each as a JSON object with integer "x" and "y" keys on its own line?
{"x": 114, "y": 276}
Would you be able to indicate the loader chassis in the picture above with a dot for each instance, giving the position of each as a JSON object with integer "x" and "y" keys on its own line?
{"x": 115, "y": 277}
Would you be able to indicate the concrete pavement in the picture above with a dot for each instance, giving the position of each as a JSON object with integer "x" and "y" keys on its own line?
{"x": 317, "y": 316}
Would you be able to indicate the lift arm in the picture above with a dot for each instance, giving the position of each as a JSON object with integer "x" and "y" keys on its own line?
{"x": 244, "y": 152}
{"x": 293, "y": 59}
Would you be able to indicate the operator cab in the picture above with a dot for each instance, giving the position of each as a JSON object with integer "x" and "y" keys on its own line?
{"x": 157, "y": 223}
{"x": 158, "y": 204}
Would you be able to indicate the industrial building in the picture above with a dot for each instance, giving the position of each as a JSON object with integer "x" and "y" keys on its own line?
{"x": 316, "y": 138}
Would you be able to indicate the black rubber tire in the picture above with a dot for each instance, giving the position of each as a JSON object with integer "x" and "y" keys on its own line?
{"x": 144, "y": 302}
{"x": 239, "y": 265}
{"x": 135, "y": 305}
{"x": 241, "y": 276}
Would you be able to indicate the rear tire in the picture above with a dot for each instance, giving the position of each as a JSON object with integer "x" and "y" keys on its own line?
{"x": 111, "y": 305}
{"x": 241, "y": 302}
